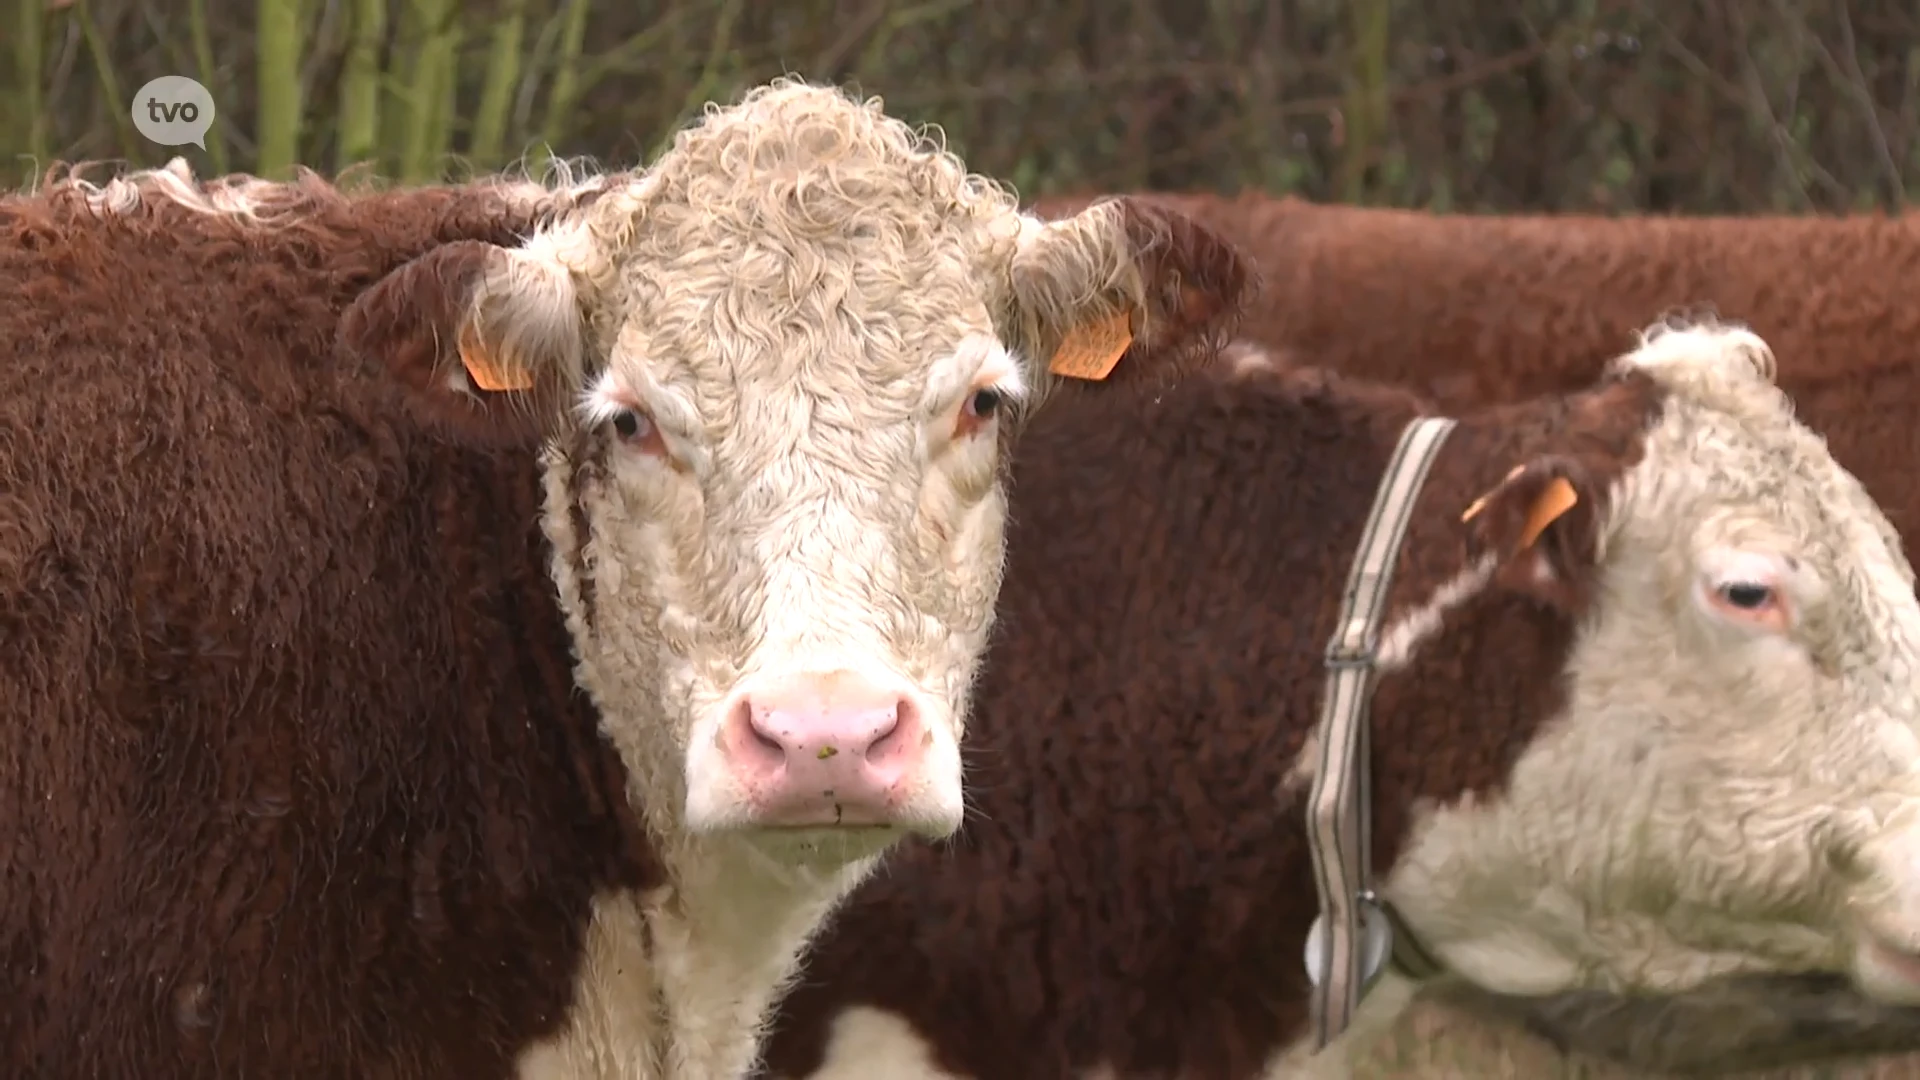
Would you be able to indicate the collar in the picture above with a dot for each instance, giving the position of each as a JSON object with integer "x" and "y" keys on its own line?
{"x": 1357, "y": 931}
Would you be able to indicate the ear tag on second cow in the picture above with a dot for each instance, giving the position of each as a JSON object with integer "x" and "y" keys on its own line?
{"x": 1556, "y": 499}
{"x": 1090, "y": 351}
{"x": 488, "y": 375}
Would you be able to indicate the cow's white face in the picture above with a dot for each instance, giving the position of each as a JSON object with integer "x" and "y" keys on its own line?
{"x": 794, "y": 541}
{"x": 1734, "y": 783}
{"x": 789, "y": 356}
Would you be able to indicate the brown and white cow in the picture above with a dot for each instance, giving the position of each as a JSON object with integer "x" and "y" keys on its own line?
{"x": 1670, "y": 740}
{"x": 479, "y": 632}
{"x": 1475, "y": 309}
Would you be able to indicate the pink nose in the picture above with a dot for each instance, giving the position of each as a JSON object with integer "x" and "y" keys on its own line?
{"x": 824, "y": 749}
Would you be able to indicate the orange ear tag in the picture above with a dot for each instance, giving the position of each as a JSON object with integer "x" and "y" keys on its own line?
{"x": 488, "y": 375}
{"x": 1090, "y": 351}
{"x": 1556, "y": 499}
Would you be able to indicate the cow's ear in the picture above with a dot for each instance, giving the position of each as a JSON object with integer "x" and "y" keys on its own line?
{"x": 488, "y": 341}
{"x": 1541, "y": 525}
{"x": 1126, "y": 290}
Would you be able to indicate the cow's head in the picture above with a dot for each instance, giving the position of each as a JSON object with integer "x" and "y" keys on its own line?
{"x": 1725, "y": 636}
{"x": 776, "y": 376}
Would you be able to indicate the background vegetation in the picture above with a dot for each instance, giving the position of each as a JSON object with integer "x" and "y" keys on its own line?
{"x": 1690, "y": 106}
{"x": 1664, "y": 105}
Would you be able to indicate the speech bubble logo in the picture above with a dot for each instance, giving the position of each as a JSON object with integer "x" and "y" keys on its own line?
{"x": 173, "y": 110}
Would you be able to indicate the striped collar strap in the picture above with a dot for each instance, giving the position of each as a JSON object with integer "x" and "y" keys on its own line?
{"x": 1353, "y": 937}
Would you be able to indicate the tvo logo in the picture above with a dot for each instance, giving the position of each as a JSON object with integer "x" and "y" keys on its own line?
{"x": 174, "y": 110}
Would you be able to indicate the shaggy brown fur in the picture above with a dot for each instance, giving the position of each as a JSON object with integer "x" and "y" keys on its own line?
{"x": 297, "y": 782}
{"x": 1479, "y": 309}
{"x": 295, "y": 778}
{"x": 1127, "y": 891}
{"x": 1471, "y": 309}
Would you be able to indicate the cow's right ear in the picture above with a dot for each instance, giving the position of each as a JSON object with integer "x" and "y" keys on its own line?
{"x": 488, "y": 341}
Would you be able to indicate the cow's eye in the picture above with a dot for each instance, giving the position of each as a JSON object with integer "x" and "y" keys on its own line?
{"x": 1746, "y": 596}
{"x": 984, "y": 403}
{"x": 638, "y": 431}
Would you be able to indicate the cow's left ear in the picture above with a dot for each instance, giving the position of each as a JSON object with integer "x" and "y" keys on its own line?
{"x": 1125, "y": 290}
{"x": 1542, "y": 524}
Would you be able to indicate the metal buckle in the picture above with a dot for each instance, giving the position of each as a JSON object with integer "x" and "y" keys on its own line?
{"x": 1376, "y": 943}
{"x": 1345, "y": 652}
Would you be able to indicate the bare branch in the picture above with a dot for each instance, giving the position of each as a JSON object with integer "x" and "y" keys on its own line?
{"x": 1846, "y": 74}
{"x": 117, "y": 104}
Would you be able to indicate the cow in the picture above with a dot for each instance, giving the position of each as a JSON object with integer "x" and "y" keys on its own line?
{"x": 1644, "y": 718}
{"x": 479, "y": 631}
{"x": 1476, "y": 309}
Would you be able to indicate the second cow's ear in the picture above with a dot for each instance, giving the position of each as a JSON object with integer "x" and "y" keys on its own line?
{"x": 488, "y": 341}
{"x": 1542, "y": 523}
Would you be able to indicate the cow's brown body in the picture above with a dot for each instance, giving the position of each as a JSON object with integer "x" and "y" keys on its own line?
{"x": 297, "y": 779}
{"x": 1132, "y": 888}
{"x": 1472, "y": 309}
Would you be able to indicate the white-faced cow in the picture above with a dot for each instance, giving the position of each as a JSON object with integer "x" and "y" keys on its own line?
{"x": 478, "y": 632}
{"x": 1644, "y": 717}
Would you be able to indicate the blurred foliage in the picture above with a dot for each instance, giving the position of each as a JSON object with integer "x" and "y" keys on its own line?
{"x": 1664, "y": 105}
